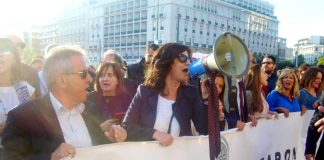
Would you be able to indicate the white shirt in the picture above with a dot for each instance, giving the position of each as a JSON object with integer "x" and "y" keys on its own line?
{"x": 238, "y": 96}
{"x": 43, "y": 86}
{"x": 74, "y": 129}
{"x": 163, "y": 116}
{"x": 9, "y": 99}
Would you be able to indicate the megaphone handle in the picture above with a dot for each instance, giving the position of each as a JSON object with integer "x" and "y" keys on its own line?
{"x": 233, "y": 81}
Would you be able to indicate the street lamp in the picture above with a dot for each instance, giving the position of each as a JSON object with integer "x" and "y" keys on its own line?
{"x": 157, "y": 21}
{"x": 249, "y": 25}
{"x": 296, "y": 53}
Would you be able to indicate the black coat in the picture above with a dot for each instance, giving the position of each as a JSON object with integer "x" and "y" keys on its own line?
{"x": 136, "y": 71}
{"x": 33, "y": 131}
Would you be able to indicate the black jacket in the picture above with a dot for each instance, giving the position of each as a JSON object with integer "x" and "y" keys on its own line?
{"x": 33, "y": 131}
{"x": 136, "y": 71}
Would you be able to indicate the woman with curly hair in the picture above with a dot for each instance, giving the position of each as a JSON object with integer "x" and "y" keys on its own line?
{"x": 284, "y": 98}
{"x": 311, "y": 83}
{"x": 165, "y": 105}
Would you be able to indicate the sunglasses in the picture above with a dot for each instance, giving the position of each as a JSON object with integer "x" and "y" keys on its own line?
{"x": 183, "y": 58}
{"x": 83, "y": 74}
{"x": 267, "y": 63}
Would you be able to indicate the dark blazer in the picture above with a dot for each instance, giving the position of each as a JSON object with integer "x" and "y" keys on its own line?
{"x": 33, "y": 132}
{"x": 136, "y": 71}
{"x": 313, "y": 136}
{"x": 30, "y": 75}
{"x": 141, "y": 115}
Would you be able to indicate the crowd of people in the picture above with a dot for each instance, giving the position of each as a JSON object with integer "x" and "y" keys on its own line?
{"x": 57, "y": 104}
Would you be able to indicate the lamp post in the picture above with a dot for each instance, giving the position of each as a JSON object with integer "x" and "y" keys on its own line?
{"x": 296, "y": 54}
{"x": 178, "y": 25}
{"x": 157, "y": 21}
{"x": 100, "y": 49}
{"x": 249, "y": 25}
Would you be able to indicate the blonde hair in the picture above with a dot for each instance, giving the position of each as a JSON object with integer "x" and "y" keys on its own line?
{"x": 279, "y": 84}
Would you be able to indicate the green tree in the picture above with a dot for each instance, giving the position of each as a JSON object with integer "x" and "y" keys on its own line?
{"x": 258, "y": 58}
{"x": 29, "y": 54}
{"x": 320, "y": 61}
{"x": 301, "y": 59}
{"x": 284, "y": 64}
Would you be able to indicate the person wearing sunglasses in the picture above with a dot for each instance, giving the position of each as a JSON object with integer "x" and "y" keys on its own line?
{"x": 14, "y": 89}
{"x": 269, "y": 65}
{"x": 165, "y": 104}
{"x": 53, "y": 126}
{"x": 27, "y": 72}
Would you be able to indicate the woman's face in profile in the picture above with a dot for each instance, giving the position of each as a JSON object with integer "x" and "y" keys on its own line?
{"x": 108, "y": 81}
{"x": 179, "y": 68}
{"x": 263, "y": 77}
{"x": 219, "y": 82}
{"x": 316, "y": 82}
{"x": 6, "y": 61}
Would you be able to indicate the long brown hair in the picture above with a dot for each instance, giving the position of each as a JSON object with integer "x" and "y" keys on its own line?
{"x": 253, "y": 84}
{"x": 116, "y": 69}
{"x": 161, "y": 64}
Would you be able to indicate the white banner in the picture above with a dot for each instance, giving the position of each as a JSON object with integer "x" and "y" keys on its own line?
{"x": 277, "y": 139}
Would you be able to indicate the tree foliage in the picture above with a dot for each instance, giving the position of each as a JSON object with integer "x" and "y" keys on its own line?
{"x": 284, "y": 64}
{"x": 29, "y": 54}
{"x": 320, "y": 61}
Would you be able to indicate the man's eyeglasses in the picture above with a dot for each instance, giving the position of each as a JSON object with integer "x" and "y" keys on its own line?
{"x": 267, "y": 63}
{"x": 183, "y": 58}
{"x": 83, "y": 74}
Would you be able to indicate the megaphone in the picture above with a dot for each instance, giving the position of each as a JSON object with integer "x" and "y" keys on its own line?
{"x": 230, "y": 56}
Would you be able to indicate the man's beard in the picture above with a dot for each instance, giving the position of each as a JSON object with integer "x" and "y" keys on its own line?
{"x": 269, "y": 72}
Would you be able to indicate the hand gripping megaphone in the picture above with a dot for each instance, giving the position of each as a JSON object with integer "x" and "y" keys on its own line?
{"x": 230, "y": 56}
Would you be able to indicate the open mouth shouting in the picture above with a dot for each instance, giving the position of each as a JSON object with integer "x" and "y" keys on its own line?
{"x": 185, "y": 70}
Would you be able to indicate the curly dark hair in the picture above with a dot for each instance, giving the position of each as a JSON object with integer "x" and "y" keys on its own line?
{"x": 160, "y": 66}
{"x": 310, "y": 76}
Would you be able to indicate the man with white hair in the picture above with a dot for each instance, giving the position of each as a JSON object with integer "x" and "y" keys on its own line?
{"x": 52, "y": 127}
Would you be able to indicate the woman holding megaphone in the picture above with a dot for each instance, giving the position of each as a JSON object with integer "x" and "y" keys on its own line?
{"x": 165, "y": 105}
